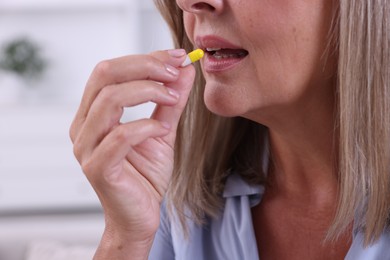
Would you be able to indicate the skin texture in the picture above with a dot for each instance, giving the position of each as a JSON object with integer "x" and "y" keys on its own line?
{"x": 285, "y": 40}
{"x": 129, "y": 164}
{"x": 283, "y": 84}
{"x": 286, "y": 83}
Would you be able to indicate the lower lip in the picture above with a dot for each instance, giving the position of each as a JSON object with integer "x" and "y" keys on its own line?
{"x": 212, "y": 64}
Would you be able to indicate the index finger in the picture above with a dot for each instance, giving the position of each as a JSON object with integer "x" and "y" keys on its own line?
{"x": 158, "y": 66}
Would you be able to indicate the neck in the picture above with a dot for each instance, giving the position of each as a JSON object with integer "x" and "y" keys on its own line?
{"x": 302, "y": 147}
{"x": 303, "y": 164}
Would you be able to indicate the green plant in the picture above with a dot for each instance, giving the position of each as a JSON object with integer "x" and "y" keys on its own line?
{"x": 23, "y": 57}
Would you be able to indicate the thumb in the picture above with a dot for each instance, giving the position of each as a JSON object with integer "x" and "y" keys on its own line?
{"x": 171, "y": 114}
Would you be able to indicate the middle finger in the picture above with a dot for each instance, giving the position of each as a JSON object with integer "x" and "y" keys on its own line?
{"x": 107, "y": 109}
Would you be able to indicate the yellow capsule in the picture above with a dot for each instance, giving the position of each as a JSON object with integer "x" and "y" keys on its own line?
{"x": 193, "y": 57}
{"x": 196, "y": 55}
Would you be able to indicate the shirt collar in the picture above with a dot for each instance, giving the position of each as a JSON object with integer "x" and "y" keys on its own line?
{"x": 236, "y": 186}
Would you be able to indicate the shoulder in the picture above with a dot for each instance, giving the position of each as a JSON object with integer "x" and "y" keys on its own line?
{"x": 226, "y": 236}
{"x": 378, "y": 250}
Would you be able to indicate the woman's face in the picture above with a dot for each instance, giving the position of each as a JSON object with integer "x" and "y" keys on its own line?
{"x": 263, "y": 56}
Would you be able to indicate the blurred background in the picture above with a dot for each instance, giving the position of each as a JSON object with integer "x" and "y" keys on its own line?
{"x": 48, "y": 48}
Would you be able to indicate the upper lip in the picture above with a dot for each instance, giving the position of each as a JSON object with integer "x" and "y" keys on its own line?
{"x": 214, "y": 42}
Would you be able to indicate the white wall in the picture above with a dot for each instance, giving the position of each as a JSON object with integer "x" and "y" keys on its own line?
{"x": 43, "y": 193}
{"x": 37, "y": 168}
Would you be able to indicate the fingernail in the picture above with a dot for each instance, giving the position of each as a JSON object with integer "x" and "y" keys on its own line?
{"x": 177, "y": 53}
{"x": 173, "y": 93}
{"x": 172, "y": 70}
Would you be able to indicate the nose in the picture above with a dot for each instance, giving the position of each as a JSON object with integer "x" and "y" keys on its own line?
{"x": 201, "y": 7}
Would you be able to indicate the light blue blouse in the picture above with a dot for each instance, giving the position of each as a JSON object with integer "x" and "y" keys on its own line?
{"x": 231, "y": 235}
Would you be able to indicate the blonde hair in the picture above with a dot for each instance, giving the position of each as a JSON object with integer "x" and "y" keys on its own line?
{"x": 364, "y": 116}
{"x": 208, "y": 147}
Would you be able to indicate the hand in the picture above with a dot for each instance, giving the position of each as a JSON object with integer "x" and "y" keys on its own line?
{"x": 130, "y": 164}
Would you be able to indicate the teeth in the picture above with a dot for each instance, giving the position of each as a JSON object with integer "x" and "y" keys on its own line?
{"x": 219, "y": 55}
{"x": 213, "y": 49}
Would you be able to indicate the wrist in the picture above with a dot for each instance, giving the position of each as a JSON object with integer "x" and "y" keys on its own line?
{"x": 123, "y": 246}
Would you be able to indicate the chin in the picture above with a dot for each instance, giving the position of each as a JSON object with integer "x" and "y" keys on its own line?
{"x": 223, "y": 107}
{"x": 225, "y": 97}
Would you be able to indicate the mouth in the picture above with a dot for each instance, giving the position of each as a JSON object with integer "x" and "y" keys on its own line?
{"x": 221, "y": 53}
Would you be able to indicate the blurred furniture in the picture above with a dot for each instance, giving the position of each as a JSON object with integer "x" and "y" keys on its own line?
{"x": 69, "y": 236}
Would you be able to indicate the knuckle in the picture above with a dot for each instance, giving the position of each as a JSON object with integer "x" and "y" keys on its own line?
{"x": 152, "y": 91}
{"x": 92, "y": 169}
{"x": 152, "y": 64}
{"x": 154, "y": 124}
{"x": 157, "y": 92}
{"x": 150, "y": 126}
{"x": 72, "y": 132}
{"x": 78, "y": 151}
{"x": 103, "y": 69}
{"x": 132, "y": 134}
{"x": 88, "y": 167}
{"x": 75, "y": 128}
{"x": 122, "y": 135}
{"x": 107, "y": 94}
{"x": 150, "y": 61}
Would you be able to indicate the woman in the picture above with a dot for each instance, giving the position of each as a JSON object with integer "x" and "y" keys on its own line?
{"x": 281, "y": 151}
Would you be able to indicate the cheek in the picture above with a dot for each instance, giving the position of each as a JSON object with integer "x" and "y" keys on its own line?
{"x": 287, "y": 43}
{"x": 189, "y": 24}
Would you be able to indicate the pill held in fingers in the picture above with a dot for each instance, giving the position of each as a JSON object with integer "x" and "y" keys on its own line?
{"x": 192, "y": 57}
